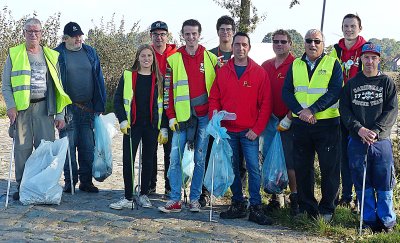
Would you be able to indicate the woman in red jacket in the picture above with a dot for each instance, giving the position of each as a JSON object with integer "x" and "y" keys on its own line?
{"x": 136, "y": 107}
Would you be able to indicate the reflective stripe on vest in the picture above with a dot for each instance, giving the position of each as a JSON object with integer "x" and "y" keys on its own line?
{"x": 308, "y": 92}
{"x": 21, "y": 77}
{"x": 182, "y": 100}
{"x": 128, "y": 96}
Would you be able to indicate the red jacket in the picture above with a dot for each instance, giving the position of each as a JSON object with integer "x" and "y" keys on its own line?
{"x": 194, "y": 67}
{"x": 353, "y": 53}
{"x": 162, "y": 58}
{"x": 249, "y": 97}
{"x": 277, "y": 78}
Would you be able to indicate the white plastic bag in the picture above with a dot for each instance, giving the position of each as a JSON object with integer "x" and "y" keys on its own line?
{"x": 187, "y": 166}
{"x": 104, "y": 131}
{"x": 42, "y": 173}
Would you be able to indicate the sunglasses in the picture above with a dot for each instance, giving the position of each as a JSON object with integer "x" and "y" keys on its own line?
{"x": 283, "y": 42}
{"x": 316, "y": 41}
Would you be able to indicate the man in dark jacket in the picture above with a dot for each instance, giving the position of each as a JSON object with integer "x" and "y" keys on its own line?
{"x": 368, "y": 108}
{"x": 83, "y": 81}
{"x": 311, "y": 91}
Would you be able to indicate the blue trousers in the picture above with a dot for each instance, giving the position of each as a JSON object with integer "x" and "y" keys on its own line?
{"x": 81, "y": 139}
{"x": 249, "y": 148}
{"x": 380, "y": 179}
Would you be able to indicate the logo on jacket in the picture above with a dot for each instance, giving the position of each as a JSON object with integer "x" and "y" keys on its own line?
{"x": 246, "y": 84}
{"x": 202, "y": 67}
{"x": 322, "y": 72}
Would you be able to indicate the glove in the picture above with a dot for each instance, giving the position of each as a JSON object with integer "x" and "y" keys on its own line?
{"x": 284, "y": 125}
{"x": 173, "y": 124}
{"x": 124, "y": 126}
{"x": 163, "y": 136}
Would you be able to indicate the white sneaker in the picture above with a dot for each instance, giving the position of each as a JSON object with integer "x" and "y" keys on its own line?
{"x": 144, "y": 201}
{"x": 123, "y": 203}
{"x": 194, "y": 206}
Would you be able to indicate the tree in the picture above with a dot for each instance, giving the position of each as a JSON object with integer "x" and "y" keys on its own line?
{"x": 297, "y": 41}
{"x": 116, "y": 49}
{"x": 390, "y": 48}
{"x": 245, "y": 13}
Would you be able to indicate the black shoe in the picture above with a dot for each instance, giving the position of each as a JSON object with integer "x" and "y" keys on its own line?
{"x": 257, "y": 215}
{"x": 67, "y": 187}
{"x": 235, "y": 211}
{"x": 16, "y": 196}
{"x": 294, "y": 204}
{"x": 89, "y": 187}
{"x": 204, "y": 199}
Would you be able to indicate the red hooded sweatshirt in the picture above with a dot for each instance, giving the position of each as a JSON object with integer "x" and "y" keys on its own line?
{"x": 354, "y": 54}
{"x": 194, "y": 67}
{"x": 162, "y": 58}
{"x": 249, "y": 97}
{"x": 277, "y": 78}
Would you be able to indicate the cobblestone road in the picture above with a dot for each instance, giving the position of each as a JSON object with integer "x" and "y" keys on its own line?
{"x": 87, "y": 217}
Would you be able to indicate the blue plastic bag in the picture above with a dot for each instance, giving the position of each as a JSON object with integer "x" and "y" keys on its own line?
{"x": 219, "y": 175}
{"x": 104, "y": 131}
{"x": 268, "y": 135}
{"x": 274, "y": 173}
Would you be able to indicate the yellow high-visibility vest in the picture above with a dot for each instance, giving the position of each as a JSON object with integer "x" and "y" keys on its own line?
{"x": 307, "y": 92}
{"x": 21, "y": 77}
{"x": 182, "y": 100}
{"x": 128, "y": 96}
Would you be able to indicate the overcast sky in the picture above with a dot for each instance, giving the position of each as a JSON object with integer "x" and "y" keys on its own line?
{"x": 378, "y": 17}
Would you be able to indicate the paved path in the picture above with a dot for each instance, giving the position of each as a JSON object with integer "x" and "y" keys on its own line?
{"x": 87, "y": 217}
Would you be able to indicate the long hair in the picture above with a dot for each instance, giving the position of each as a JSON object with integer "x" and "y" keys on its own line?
{"x": 154, "y": 67}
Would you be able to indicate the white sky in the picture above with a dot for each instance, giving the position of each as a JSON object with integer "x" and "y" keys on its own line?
{"x": 379, "y": 18}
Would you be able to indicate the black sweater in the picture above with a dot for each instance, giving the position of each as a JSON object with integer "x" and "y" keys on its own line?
{"x": 369, "y": 102}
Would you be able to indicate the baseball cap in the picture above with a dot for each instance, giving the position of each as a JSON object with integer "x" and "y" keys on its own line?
{"x": 72, "y": 29}
{"x": 158, "y": 25}
{"x": 371, "y": 47}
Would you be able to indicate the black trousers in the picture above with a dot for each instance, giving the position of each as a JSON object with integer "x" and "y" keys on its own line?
{"x": 325, "y": 140}
{"x": 148, "y": 135}
{"x": 167, "y": 152}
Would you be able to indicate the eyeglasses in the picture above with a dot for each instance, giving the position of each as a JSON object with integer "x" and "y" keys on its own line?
{"x": 316, "y": 41}
{"x": 227, "y": 30}
{"x": 36, "y": 32}
{"x": 159, "y": 34}
{"x": 283, "y": 42}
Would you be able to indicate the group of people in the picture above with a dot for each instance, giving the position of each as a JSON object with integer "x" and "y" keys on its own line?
{"x": 170, "y": 94}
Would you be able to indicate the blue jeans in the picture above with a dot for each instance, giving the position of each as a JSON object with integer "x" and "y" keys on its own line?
{"x": 250, "y": 152}
{"x": 200, "y": 150}
{"x": 378, "y": 198}
{"x": 80, "y": 135}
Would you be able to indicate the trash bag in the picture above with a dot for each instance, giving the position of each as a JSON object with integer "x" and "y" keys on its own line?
{"x": 219, "y": 175}
{"x": 39, "y": 184}
{"x": 274, "y": 173}
{"x": 104, "y": 131}
{"x": 187, "y": 166}
{"x": 268, "y": 135}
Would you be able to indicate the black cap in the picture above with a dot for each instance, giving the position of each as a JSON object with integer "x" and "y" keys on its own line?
{"x": 72, "y": 29}
{"x": 158, "y": 25}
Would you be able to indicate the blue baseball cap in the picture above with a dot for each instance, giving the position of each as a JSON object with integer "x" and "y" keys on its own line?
{"x": 158, "y": 25}
{"x": 371, "y": 47}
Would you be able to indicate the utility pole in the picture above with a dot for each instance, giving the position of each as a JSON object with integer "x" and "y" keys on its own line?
{"x": 323, "y": 16}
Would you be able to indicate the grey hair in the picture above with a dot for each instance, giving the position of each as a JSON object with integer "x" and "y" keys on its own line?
{"x": 32, "y": 21}
{"x": 315, "y": 31}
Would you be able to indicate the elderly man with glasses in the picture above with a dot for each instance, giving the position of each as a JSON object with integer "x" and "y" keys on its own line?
{"x": 33, "y": 94}
{"x": 311, "y": 91}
